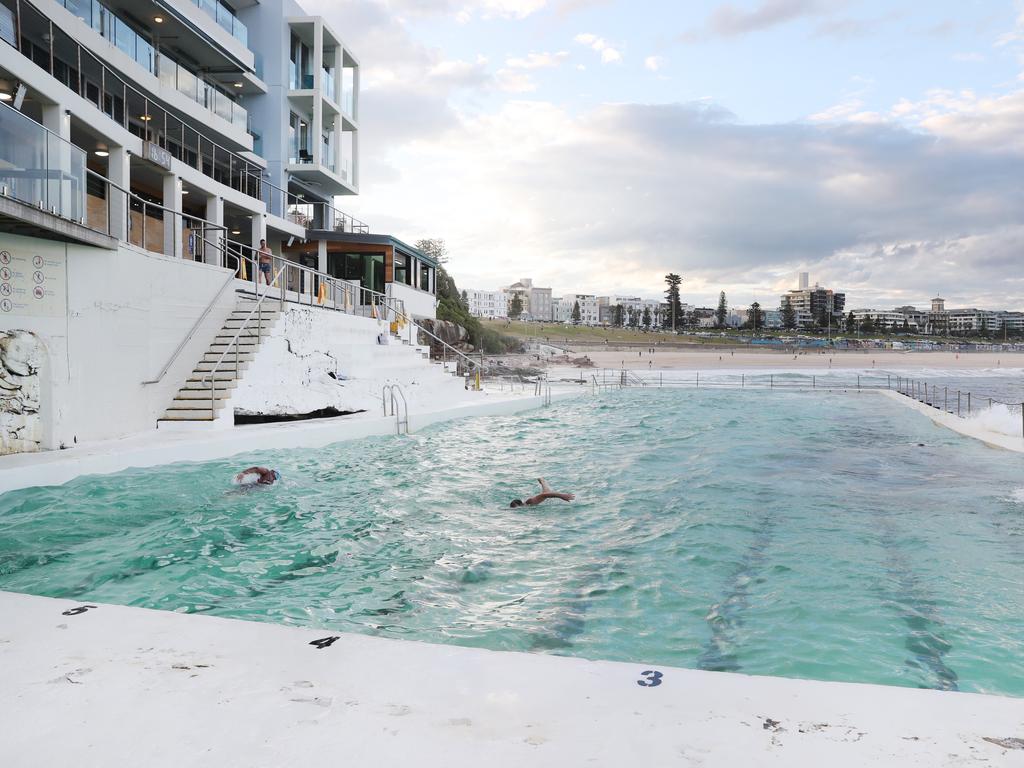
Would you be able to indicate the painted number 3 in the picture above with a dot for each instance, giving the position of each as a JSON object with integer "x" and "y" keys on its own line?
{"x": 651, "y": 678}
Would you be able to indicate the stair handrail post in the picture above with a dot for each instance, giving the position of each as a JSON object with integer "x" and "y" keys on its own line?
{"x": 212, "y": 376}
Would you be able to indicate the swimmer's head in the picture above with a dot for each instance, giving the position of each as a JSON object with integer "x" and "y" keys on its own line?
{"x": 277, "y": 475}
{"x": 516, "y": 503}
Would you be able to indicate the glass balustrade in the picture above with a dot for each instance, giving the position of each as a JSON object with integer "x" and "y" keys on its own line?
{"x": 86, "y": 75}
{"x": 40, "y": 168}
{"x": 170, "y": 73}
{"x": 225, "y": 18}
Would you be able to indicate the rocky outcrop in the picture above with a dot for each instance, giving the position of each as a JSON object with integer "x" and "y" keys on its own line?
{"x": 21, "y": 358}
{"x": 449, "y": 332}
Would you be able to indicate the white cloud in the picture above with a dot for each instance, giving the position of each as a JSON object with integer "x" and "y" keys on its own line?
{"x": 609, "y": 54}
{"x": 654, "y": 63}
{"x": 537, "y": 60}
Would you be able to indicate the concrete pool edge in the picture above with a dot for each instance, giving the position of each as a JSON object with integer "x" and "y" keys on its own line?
{"x": 959, "y": 425}
{"x": 48, "y": 468}
{"x": 95, "y": 684}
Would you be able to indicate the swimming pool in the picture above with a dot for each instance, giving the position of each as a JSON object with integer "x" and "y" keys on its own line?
{"x": 813, "y": 535}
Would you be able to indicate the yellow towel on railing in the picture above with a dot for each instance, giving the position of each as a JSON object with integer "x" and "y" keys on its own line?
{"x": 321, "y": 295}
{"x": 241, "y": 262}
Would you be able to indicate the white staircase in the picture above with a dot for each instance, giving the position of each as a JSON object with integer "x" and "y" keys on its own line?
{"x": 195, "y": 402}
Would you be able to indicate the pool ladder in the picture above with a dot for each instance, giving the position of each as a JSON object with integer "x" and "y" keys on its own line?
{"x": 393, "y": 399}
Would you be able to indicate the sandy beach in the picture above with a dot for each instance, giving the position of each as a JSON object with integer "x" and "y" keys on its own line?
{"x": 716, "y": 359}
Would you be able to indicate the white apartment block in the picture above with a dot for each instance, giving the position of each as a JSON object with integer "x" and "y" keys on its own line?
{"x": 487, "y": 304}
{"x": 562, "y": 308}
{"x": 892, "y": 319}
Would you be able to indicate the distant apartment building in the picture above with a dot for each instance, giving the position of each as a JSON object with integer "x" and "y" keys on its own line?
{"x": 536, "y": 301}
{"x": 589, "y": 309}
{"x": 487, "y": 304}
{"x": 880, "y": 318}
{"x": 811, "y": 304}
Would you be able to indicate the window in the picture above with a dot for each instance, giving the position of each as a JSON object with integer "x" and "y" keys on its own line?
{"x": 402, "y": 273}
{"x": 424, "y": 277}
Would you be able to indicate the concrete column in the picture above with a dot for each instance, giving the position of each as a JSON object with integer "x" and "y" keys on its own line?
{"x": 259, "y": 229}
{"x": 215, "y": 237}
{"x": 317, "y": 126}
{"x": 60, "y": 194}
{"x": 119, "y": 171}
{"x": 172, "y": 223}
{"x": 321, "y": 255}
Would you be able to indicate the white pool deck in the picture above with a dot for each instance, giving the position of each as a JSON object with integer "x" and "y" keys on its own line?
{"x": 113, "y": 686}
{"x": 965, "y": 427}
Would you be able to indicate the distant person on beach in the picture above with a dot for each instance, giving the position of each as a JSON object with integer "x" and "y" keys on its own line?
{"x": 545, "y": 494}
{"x": 257, "y": 476}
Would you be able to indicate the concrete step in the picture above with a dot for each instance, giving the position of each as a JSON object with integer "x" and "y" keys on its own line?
{"x": 177, "y": 417}
{"x": 203, "y": 367}
{"x": 190, "y": 414}
{"x": 229, "y": 360}
{"x": 253, "y": 334}
{"x": 203, "y": 395}
{"x": 245, "y": 345}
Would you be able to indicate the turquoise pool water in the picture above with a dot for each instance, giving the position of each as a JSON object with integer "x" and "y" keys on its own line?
{"x": 827, "y": 536}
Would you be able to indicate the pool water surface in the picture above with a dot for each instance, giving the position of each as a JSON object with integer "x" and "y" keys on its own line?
{"x": 803, "y": 534}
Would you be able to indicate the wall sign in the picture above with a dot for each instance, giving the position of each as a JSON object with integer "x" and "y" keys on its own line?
{"x": 156, "y": 154}
{"x": 32, "y": 283}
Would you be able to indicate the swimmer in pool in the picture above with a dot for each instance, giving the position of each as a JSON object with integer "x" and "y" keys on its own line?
{"x": 545, "y": 494}
{"x": 257, "y": 476}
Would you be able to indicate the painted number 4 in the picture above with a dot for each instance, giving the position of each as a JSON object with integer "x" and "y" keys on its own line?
{"x": 651, "y": 678}
{"x": 76, "y": 611}
{"x": 324, "y": 642}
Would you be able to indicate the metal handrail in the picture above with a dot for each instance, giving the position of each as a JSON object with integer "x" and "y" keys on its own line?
{"x": 212, "y": 376}
{"x": 392, "y": 304}
{"x": 395, "y": 391}
{"x": 192, "y": 331}
{"x": 246, "y": 168}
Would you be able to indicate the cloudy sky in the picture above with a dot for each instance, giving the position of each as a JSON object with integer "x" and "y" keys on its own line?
{"x": 597, "y": 144}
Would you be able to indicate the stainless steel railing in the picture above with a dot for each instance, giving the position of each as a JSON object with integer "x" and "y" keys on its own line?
{"x": 211, "y": 378}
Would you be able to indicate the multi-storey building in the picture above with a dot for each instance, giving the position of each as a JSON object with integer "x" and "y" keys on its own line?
{"x": 891, "y": 320}
{"x": 813, "y": 304}
{"x": 146, "y": 150}
{"x": 487, "y": 304}
{"x": 589, "y": 309}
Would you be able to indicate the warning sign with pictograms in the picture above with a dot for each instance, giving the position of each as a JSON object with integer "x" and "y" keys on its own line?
{"x": 32, "y": 283}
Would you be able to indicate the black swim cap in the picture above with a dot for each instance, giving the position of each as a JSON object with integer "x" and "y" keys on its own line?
{"x": 516, "y": 503}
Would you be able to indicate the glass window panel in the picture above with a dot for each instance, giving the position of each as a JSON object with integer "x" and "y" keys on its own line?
{"x": 8, "y": 25}
{"x": 124, "y": 37}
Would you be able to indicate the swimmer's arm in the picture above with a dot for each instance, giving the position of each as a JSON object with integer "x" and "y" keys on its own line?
{"x": 544, "y": 487}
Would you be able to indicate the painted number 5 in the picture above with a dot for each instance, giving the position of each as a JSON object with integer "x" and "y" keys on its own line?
{"x": 651, "y": 678}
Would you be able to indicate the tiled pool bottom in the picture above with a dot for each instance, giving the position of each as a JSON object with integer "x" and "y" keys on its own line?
{"x": 836, "y": 537}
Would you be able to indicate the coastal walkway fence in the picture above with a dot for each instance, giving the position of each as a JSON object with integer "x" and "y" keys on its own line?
{"x": 960, "y": 402}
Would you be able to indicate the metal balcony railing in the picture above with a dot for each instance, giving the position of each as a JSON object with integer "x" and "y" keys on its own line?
{"x": 39, "y": 168}
{"x": 78, "y": 69}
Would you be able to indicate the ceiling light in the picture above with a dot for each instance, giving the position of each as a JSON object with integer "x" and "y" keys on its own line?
{"x": 5, "y": 96}
{"x": 184, "y": 191}
{"x": 145, "y": 118}
{"x": 158, "y": 19}
{"x": 236, "y": 231}
{"x": 101, "y": 153}
{"x": 238, "y": 85}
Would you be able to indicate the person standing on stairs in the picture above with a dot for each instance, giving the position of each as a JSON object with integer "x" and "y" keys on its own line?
{"x": 266, "y": 258}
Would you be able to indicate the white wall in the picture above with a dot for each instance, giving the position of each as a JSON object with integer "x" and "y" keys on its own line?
{"x": 417, "y": 303}
{"x": 113, "y": 322}
{"x": 291, "y": 373}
